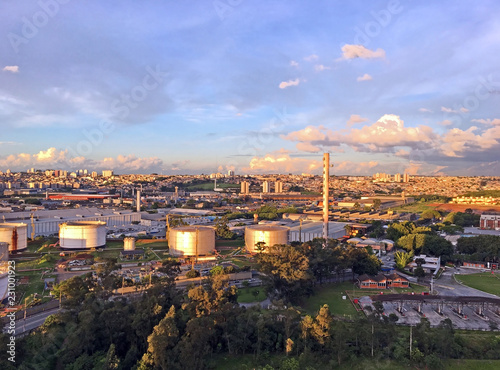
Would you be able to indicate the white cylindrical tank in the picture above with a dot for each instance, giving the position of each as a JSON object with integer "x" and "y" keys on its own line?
{"x": 82, "y": 234}
{"x": 15, "y": 235}
{"x": 191, "y": 241}
{"x": 268, "y": 234}
{"x": 129, "y": 244}
{"x": 4, "y": 269}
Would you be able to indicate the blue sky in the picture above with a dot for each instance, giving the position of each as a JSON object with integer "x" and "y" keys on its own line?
{"x": 256, "y": 86}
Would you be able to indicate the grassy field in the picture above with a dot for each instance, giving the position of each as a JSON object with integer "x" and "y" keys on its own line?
{"x": 416, "y": 207}
{"x": 486, "y": 281}
{"x": 473, "y": 364}
{"x": 246, "y": 295}
{"x": 331, "y": 295}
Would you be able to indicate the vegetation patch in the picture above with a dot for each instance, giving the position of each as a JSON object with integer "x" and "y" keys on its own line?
{"x": 251, "y": 294}
{"x": 487, "y": 282}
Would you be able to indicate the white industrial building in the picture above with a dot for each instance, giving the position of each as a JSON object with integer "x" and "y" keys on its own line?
{"x": 47, "y": 222}
{"x": 311, "y": 229}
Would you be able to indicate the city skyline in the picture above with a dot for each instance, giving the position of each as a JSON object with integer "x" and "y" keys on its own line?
{"x": 172, "y": 88}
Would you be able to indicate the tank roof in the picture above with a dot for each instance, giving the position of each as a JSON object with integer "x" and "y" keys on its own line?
{"x": 85, "y": 223}
{"x": 13, "y": 224}
{"x": 191, "y": 228}
{"x": 267, "y": 228}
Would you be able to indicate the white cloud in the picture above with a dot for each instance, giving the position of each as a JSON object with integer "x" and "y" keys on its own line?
{"x": 489, "y": 121}
{"x": 310, "y": 133}
{"x": 425, "y": 110}
{"x": 293, "y": 63}
{"x": 12, "y": 69}
{"x": 356, "y": 118}
{"x": 446, "y": 122}
{"x": 285, "y": 84}
{"x": 359, "y": 51}
{"x": 365, "y": 77}
{"x": 450, "y": 110}
{"x": 354, "y": 168}
{"x": 282, "y": 163}
{"x": 321, "y": 67}
{"x": 311, "y": 58}
{"x": 307, "y": 147}
{"x": 53, "y": 157}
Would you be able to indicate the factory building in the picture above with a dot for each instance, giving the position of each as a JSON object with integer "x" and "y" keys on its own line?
{"x": 311, "y": 230}
{"x": 490, "y": 222}
{"x": 189, "y": 241}
{"x": 270, "y": 235}
{"x": 82, "y": 235}
{"x": 47, "y": 222}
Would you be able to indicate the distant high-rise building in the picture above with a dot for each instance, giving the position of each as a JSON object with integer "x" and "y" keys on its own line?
{"x": 245, "y": 187}
{"x": 278, "y": 187}
{"x": 406, "y": 177}
{"x": 397, "y": 177}
{"x": 265, "y": 187}
{"x": 107, "y": 173}
{"x": 230, "y": 173}
{"x": 94, "y": 174}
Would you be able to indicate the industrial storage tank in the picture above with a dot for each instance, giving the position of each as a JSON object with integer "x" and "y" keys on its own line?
{"x": 4, "y": 270}
{"x": 82, "y": 234}
{"x": 129, "y": 244}
{"x": 191, "y": 241}
{"x": 268, "y": 234}
{"x": 15, "y": 235}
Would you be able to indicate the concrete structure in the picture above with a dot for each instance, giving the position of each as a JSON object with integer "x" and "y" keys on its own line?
{"x": 107, "y": 173}
{"x": 191, "y": 241}
{"x": 4, "y": 269}
{"x": 245, "y": 187}
{"x": 278, "y": 187}
{"x": 129, "y": 244}
{"x": 82, "y": 235}
{"x": 15, "y": 235}
{"x": 268, "y": 234}
{"x": 314, "y": 229}
{"x": 138, "y": 201}
{"x": 490, "y": 222}
{"x": 430, "y": 265}
{"x": 265, "y": 187}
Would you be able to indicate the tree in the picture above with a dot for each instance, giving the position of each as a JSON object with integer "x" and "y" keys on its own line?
{"x": 356, "y": 206}
{"x": 419, "y": 271}
{"x": 287, "y": 272}
{"x": 162, "y": 340}
{"x": 402, "y": 259}
{"x": 363, "y": 262}
{"x": 222, "y": 229}
{"x": 191, "y": 274}
{"x": 376, "y": 204}
{"x": 430, "y": 215}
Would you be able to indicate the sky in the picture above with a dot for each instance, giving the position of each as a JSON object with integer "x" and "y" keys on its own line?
{"x": 191, "y": 87}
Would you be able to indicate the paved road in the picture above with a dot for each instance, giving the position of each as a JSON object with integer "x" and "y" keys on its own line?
{"x": 446, "y": 285}
{"x": 33, "y": 322}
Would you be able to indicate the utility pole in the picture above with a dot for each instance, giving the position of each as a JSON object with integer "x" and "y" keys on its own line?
{"x": 411, "y": 338}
